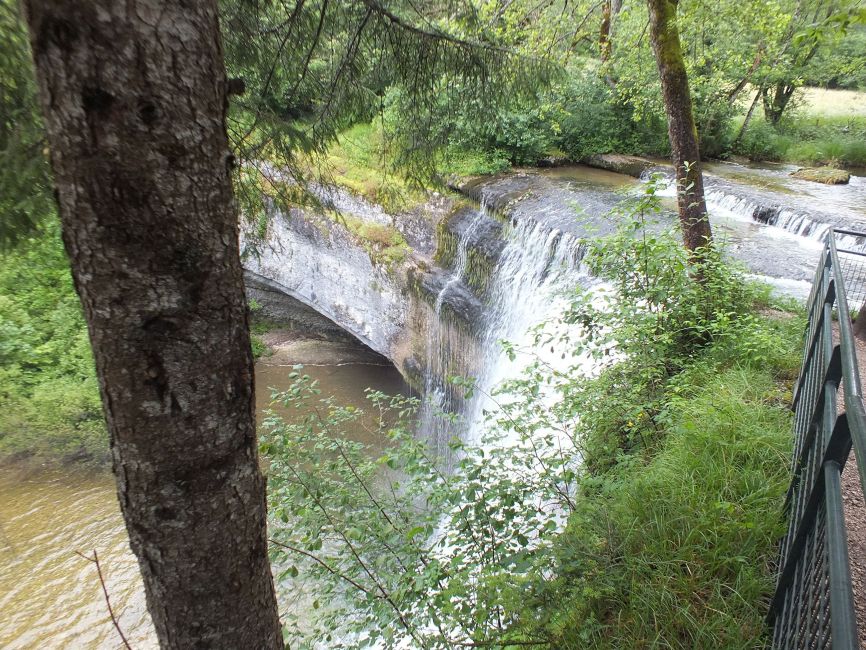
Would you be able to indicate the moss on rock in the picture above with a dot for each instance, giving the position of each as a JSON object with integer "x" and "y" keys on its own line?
{"x": 826, "y": 175}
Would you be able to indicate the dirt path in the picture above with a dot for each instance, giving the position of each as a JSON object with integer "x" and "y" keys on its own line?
{"x": 855, "y": 520}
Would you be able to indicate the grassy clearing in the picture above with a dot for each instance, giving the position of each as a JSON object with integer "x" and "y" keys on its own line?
{"x": 827, "y": 128}
{"x": 828, "y": 103}
{"x": 362, "y": 161}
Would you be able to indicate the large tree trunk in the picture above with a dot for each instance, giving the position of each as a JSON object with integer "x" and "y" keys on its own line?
{"x": 681, "y": 123}
{"x": 134, "y": 96}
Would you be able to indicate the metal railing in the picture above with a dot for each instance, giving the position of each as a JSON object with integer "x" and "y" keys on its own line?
{"x": 813, "y": 606}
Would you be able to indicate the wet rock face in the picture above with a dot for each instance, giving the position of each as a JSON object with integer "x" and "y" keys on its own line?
{"x": 318, "y": 263}
{"x": 278, "y": 306}
{"x": 486, "y": 237}
{"x": 418, "y": 226}
{"x": 312, "y": 273}
{"x": 826, "y": 175}
{"x": 510, "y": 188}
{"x": 766, "y": 214}
{"x": 459, "y": 300}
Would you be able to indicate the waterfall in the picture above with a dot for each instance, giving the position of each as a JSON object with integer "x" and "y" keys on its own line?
{"x": 536, "y": 271}
{"x": 444, "y": 343}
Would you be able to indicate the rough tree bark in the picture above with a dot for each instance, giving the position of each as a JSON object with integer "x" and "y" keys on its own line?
{"x": 681, "y": 123}
{"x": 134, "y": 97}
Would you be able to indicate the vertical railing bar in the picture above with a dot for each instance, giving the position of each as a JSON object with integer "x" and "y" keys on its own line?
{"x": 842, "y": 619}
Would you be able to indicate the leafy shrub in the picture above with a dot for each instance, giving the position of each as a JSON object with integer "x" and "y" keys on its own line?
{"x": 806, "y": 140}
{"x": 760, "y": 141}
{"x": 471, "y": 162}
{"x": 521, "y": 133}
{"x": 593, "y": 120}
{"x": 49, "y": 400}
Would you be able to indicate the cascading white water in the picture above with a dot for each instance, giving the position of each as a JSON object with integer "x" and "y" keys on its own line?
{"x": 441, "y": 336}
{"x": 530, "y": 285}
{"x": 725, "y": 202}
{"x": 461, "y": 260}
{"x": 534, "y": 278}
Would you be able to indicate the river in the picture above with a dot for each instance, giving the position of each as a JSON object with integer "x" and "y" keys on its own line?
{"x": 50, "y": 597}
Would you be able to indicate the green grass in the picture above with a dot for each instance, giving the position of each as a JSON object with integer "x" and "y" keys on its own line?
{"x": 462, "y": 162}
{"x": 827, "y": 128}
{"x": 828, "y": 103}
{"x": 673, "y": 548}
{"x": 362, "y": 161}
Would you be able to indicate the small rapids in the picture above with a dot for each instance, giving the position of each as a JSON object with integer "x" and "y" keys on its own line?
{"x": 770, "y": 196}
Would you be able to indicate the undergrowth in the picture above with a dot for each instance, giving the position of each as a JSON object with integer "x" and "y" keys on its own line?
{"x": 809, "y": 140}
{"x": 49, "y": 399}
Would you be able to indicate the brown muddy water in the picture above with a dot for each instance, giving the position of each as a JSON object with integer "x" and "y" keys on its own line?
{"x": 49, "y": 596}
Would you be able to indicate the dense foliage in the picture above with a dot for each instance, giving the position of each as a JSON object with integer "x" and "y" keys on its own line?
{"x": 49, "y": 399}
{"x": 620, "y": 507}
{"x": 25, "y": 191}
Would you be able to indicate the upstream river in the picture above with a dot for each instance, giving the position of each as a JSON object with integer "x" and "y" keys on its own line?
{"x": 50, "y": 597}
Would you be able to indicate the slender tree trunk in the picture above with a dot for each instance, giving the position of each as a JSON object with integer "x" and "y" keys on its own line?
{"x": 747, "y": 119}
{"x": 134, "y": 96}
{"x": 736, "y": 90}
{"x": 681, "y": 123}
{"x": 604, "y": 32}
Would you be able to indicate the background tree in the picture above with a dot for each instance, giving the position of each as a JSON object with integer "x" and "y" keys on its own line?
{"x": 25, "y": 196}
{"x": 134, "y": 98}
{"x": 681, "y": 124}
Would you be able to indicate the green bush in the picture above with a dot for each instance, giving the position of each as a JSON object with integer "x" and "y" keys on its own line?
{"x": 520, "y": 133}
{"x": 807, "y": 140}
{"x": 49, "y": 398}
{"x": 594, "y": 120}
{"x": 676, "y": 551}
{"x": 760, "y": 141}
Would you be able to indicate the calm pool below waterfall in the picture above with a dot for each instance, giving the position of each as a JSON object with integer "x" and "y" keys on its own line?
{"x": 51, "y": 598}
